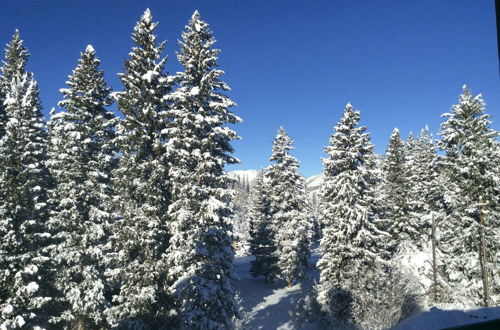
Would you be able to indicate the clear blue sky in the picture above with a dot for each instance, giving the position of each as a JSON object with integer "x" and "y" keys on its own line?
{"x": 291, "y": 63}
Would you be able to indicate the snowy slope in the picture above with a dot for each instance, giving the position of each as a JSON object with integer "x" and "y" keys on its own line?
{"x": 437, "y": 318}
{"x": 313, "y": 183}
{"x": 244, "y": 176}
{"x": 269, "y": 306}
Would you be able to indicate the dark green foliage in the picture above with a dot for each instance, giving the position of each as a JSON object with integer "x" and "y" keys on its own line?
{"x": 82, "y": 157}
{"x": 142, "y": 184}
{"x": 200, "y": 256}
{"x": 25, "y": 276}
{"x": 261, "y": 231}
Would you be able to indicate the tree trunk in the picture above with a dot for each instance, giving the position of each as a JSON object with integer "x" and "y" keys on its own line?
{"x": 434, "y": 265}
{"x": 484, "y": 256}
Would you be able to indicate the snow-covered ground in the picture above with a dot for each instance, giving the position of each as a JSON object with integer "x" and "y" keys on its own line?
{"x": 314, "y": 182}
{"x": 437, "y": 318}
{"x": 269, "y": 306}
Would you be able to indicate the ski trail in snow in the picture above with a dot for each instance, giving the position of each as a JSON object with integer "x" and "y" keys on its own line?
{"x": 271, "y": 306}
{"x": 275, "y": 311}
{"x": 274, "y": 298}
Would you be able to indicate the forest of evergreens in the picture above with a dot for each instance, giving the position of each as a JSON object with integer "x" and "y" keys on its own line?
{"x": 125, "y": 221}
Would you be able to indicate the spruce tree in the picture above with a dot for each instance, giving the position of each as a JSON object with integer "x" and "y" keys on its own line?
{"x": 200, "y": 255}
{"x": 427, "y": 207}
{"x": 25, "y": 272}
{"x": 425, "y": 195}
{"x": 16, "y": 56}
{"x": 141, "y": 234}
{"x": 239, "y": 219}
{"x": 396, "y": 201}
{"x": 289, "y": 221}
{"x": 352, "y": 248}
{"x": 261, "y": 232}
{"x": 81, "y": 160}
{"x": 472, "y": 192}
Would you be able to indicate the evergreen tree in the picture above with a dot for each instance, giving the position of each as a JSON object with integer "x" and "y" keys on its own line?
{"x": 290, "y": 223}
{"x": 425, "y": 195}
{"x": 16, "y": 56}
{"x": 396, "y": 202}
{"x": 261, "y": 232}
{"x": 25, "y": 276}
{"x": 472, "y": 191}
{"x": 141, "y": 235}
{"x": 427, "y": 207}
{"x": 81, "y": 160}
{"x": 239, "y": 220}
{"x": 352, "y": 248}
{"x": 200, "y": 256}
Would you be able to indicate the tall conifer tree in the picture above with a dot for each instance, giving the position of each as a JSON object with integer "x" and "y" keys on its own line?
{"x": 16, "y": 56}
{"x": 396, "y": 202}
{"x": 261, "y": 231}
{"x": 81, "y": 160}
{"x": 352, "y": 248}
{"x": 200, "y": 255}
{"x": 141, "y": 234}
{"x": 25, "y": 276}
{"x": 473, "y": 192}
{"x": 290, "y": 223}
{"x": 425, "y": 194}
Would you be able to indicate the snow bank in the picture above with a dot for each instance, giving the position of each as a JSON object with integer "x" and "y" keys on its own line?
{"x": 437, "y": 318}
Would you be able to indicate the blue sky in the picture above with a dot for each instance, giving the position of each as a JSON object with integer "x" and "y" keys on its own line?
{"x": 290, "y": 63}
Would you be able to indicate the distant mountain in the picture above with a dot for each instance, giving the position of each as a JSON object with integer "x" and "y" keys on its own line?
{"x": 244, "y": 177}
{"x": 247, "y": 177}
{"x": 313, "y": 183}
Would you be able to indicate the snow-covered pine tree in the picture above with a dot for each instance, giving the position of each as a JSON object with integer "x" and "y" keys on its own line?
{"x": 141, "y": 234}
{"x": 314, "y": 211}
{"x": 352, "y": 248}
{"x": 3, "y": 115}
{"x": 290, "y": 223}
{"x": 25, "y": 276}
{"x": 472, "y": 191}
{"x": 396, "y": 202}
{"x": 409, "y": 145}
{"x": 200, "y": 256}
{"x": 81, "y": 159}
{"x": 261, "y": 231}
{"x": 428, "y": 209}
{"x": 16, "y": 56}
{"x": 421, "y": 160}
{"x": 239, "y": 219}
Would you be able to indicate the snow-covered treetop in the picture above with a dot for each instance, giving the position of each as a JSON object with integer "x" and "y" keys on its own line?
{"x": 148, "y": 50}
{"x": 198, "y": 23}
{"x": 200, "y": 100}
{"x": 348, "y": 144}
{"x": 86, "y": 84}
{"x": 144, "y": 80}
{"x": 471, "y": 145}
{"x": 281, "y": 145}
{"x": 395, "y": 142}
{"x": 467, "y": 118}
{"x": 196, "y": 43}
{"x": 145, "y": 24}
{"x": 468, "y": 104}
{"x": 16, "y": 56}
{"x": 147, "y": 16}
